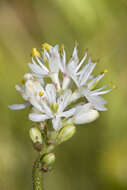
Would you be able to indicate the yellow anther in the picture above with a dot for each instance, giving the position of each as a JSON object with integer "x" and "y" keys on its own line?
{"x": 46, "y": 46}
{"x": 112, "y": 85}
{"x": 106, "y": 71}
{"x": 41, "y": 93}
{"x": 35, "y": 52}
{"x": 61, "y": 48}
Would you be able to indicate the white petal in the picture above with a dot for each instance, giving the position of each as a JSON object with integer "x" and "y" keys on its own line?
{"x": 54, "y": 59}
{"x": 55, "y": 79}
{"x": 66, "y": 82}
{"x": 33, "y": 100}
{"x": 64, "y": 59}
{"x": 18, "y": 106}
{"x": 68, "y": 113}
{"x": 28, "y": 76}
{"x": 75, "y": 55}
{"x": 76, "y": 95}
{"x": 98, "y": 102}
{"x": 72, "y": 65}
{"x": 19, "y": 88}
{"x": 99, "y": 89}
{"x": 64, "y": 100}
{"x": 38, "y": 117}
{"x": 95, "y": 80}
{"x": 83, "y": 108}
{"x": 86, "y": 117}
{"x": 51, "y": 93}
{"x": 37, "y": 70}
{"x": 46, "y": 108}
{"x": 85, "y": 73}
{"x": 56, "y": 123}
{"x": 32, "y": 88}
{"x": 41, "y": 65}
{"x": 62, "y": 63}
{"x": 81, "y": 62}
{"x": 100, "y": 93}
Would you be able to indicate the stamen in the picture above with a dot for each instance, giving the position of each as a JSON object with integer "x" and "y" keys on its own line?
{"x": 112, "y": 85}
{"x": 106, "y": 71}
{"x": 41, "y": 93}
{"x": 61, "y": 48}
{"x": 46, "y": 46}
{"x": 35, "y": 52}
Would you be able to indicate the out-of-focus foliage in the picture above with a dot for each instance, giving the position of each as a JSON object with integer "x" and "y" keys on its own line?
{"x": 96, "y": 158}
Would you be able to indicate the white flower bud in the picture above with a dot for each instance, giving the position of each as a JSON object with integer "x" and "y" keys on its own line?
{"x": 35, "y": 135}
{"x": 86, "y": 117}
{"x": 66, "y": 133}
{"x": 28, "y": 76}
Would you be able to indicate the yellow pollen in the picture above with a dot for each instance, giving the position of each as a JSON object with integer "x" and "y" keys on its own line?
{"x": 114, "y": 86}
{"x": 46, "y": 46}
{"x": 41, "y": 93}
{"x": 62, "y": 46}
{"x": 106, "y": 71}
{"x": 35, "y": 52}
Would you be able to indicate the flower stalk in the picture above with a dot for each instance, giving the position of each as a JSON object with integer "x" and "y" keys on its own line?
{"x": 37, "y": 177}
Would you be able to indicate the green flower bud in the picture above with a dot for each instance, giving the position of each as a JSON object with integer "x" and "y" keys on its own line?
{"x": 66, "y": 133}
{"x": 35, "y": 135}
{"x": 50, "y": 148}
{"x": 48, "y": 160}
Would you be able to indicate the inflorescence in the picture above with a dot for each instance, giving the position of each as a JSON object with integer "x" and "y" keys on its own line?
{"x": 60, "y": 94}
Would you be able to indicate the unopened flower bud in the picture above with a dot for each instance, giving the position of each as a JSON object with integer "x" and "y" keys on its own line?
{"x": 50, "y": 148}
{"x": 35, "y": 135}
{"x": 48, "y": 160}
{"x": 86, "y": 117}
{"x": 66, "y": 133}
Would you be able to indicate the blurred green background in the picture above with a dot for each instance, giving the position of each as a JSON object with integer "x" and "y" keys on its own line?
{"x": 96, "y": 158}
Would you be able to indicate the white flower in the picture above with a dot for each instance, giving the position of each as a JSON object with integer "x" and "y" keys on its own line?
{"x": 21, "y": 90}
{"x": 59, "y": 91}
{"x": 46, "y": 65}
{"x": 52, "y": 107}
{"x": 85, "y": 82}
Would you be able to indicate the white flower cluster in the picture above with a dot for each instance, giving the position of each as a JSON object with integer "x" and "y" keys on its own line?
{"x": 59, "y": 91}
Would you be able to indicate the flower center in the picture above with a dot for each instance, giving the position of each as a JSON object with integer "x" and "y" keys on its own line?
{"x": 41, "y": 93}
{"x": 54, "y": 107}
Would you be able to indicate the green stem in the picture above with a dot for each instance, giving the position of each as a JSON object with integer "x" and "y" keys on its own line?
{"x": 37, "y": 175}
